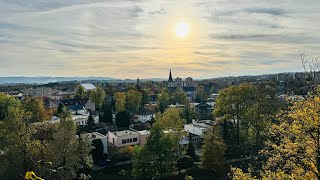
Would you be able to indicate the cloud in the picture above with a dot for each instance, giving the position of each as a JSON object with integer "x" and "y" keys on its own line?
{"x": 271, "y": 11}
{"x": 133, "y": 38}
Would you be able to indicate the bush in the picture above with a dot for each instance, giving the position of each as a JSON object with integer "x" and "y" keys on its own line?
{"x": 185, "y": 162}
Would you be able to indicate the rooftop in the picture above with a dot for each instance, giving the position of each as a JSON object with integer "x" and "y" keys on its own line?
{"x": 144, "y": 132}
{"x": 94, "y": 135}
{"x": 124, "y": 133}
{"x": 88, "y": 86}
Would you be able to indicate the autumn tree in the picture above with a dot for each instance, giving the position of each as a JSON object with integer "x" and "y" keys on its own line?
{"x": 292, "y": 150}
{"x": 120, "y": 101}
{"x": 213, "y": 151}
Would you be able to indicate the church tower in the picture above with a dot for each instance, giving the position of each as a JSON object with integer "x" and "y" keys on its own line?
{"x": 170, "y": 81}
{"x": 170, "y": 77}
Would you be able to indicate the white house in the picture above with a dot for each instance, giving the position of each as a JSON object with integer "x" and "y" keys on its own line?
{"x": 124, "y": 138}
{"x": 144, "y": 116}
{"x": 128, "y": 138}
{"x": 95, "y": 135}
{"x": 199, "y": 128}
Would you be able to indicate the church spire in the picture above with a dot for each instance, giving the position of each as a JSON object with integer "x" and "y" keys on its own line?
{"x": 170, "y": 76}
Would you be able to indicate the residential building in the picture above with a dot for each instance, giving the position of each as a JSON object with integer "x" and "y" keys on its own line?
{"x": 144, "y": 115}
{"x": 73, "y": 104}
{"x": 143, "y": 136}
{"x": 95, "y": 135}
{"x": 153, "y": 99}
{"x": 40, "y": 92}
{"x": 124, "y": 138}
{"x": 51, "y": 107}
{"x": 128, "y": 138}
{"x": 198, "y": 129}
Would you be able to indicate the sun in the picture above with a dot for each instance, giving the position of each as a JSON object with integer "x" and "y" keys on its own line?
{"x": 182, "y": 29}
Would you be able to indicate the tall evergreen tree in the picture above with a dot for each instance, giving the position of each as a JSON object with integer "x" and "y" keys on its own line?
{"x": 90, "y": 122}
{"x": 123, "y": 119}
{"x": 97, "y": 152}
{"x": 191, "y": 151}
{"x": 107, "y": 115}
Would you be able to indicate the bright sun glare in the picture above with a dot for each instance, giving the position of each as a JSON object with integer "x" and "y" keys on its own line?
{"x": 182, "y": 29}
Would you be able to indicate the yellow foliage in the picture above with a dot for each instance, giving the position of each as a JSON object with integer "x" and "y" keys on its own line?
{"x": 30, "y": 175}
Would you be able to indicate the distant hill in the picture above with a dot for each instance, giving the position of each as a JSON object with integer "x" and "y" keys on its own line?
{"x": 46, "y": 79}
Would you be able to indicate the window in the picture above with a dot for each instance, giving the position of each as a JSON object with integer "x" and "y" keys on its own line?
{"x": 131, "y": 140}
{"x": 123, "y": 141}
{"x": 135, "y": 139}
{"x": 128, "y": 140}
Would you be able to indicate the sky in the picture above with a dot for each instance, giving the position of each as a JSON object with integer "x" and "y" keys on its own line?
{"x": 136, "y": 38}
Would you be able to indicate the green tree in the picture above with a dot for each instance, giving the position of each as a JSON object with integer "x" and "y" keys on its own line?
{"x": 81, "y": 92}
{"x": 170, "y": 119}
{"x": 201, "y": 94}
{"x": 107, "y": 115}
{"x": 6, "y": 102}
{"x": 123, "y": 119}
{"x": 63, "y": 151}
{"x": 120, "y": 100}
{"x": 184, "y": 162}
{"x": 191, "y": 151}
{"x": 97, "y": 152}
{"x": 35, "y": 107}
{"x": 232, "y": 105}
{"x": 157, "y": 158}
{"x": 98, "y": 96}
{"x": 163, "y": 100}
{"x": 189, "y": 113}
{"x": 145, "y": 97}
{"x": 179, "y": 97}
{"x": 213, "y": 151}
{"x": 133, "y": 101}
{"x": 90, "y": 122}
{"x": 15, "y": 142}
{"x": 84, "y": 152}
{"x": 59, "y": 110}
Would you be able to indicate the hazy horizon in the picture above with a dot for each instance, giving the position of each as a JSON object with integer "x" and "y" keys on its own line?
{"x": 136, "y": 38}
